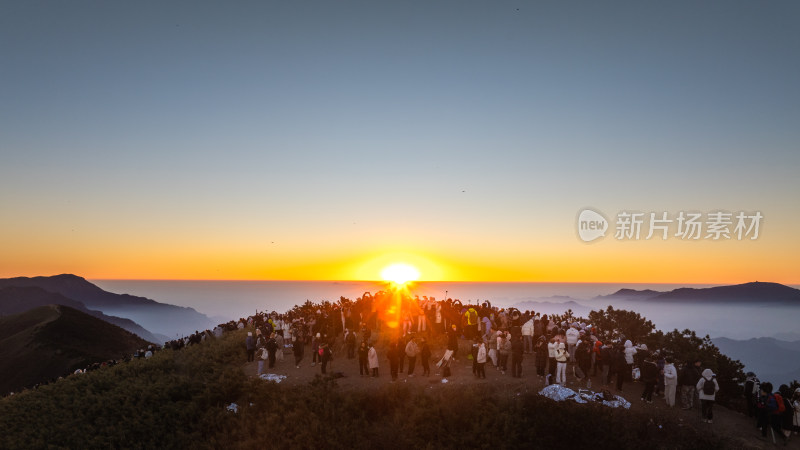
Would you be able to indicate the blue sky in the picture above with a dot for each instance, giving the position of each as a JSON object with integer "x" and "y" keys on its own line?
{"x": 348, "y": 122}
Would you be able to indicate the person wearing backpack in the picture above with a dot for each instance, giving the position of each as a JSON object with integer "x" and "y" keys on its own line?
{"x": 785, "y": 411}
{"x": 751, "y": 388}
{"x": 765, "y": 406}
{"x": 707, "y": 388}
{"x": 325, "y": 357}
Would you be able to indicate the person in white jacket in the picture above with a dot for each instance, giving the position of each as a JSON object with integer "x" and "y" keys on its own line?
{"x": 572, "y": 336}
{"x": 796, "y": 407}
{"x": 707, "y": 394}
{"x": 372, "y": 357}
{"x": 527, "y": 335}
{"x": 561, "y": 364}
{"x": 481, "y": 359}
{"x": 670, "y": 381}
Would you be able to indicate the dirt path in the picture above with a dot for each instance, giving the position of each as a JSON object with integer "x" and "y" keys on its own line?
{"x": 727, "y": 423}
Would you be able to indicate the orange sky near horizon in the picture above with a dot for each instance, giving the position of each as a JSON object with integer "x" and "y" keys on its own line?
{"x": 701, "y": 262}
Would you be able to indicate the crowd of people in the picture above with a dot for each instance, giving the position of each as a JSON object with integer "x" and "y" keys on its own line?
{"x": 776, "y": 412}
{"x": 563, "y": 348}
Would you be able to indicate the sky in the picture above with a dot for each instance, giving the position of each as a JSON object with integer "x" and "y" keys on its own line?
{"x": 325, "y": 140}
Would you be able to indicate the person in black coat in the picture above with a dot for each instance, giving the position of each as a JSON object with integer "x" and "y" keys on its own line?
{"x": 649, "y": 378}
{"x": 394, "y": 360}
{"x": 297, "y": 349}
{"x": 540, "y": 348}
{"x": 272, "y": 349}
{"x": 425, "y": 355}
{"x": 517, "y": 349}
{"x": 363, "y": 366}
{"x": 452, "y": 341}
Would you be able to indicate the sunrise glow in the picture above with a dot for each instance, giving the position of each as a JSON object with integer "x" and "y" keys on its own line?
{"x": 400, "y": 273}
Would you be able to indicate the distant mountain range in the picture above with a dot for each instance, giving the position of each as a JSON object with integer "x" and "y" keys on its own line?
{"x": 754, "y": 292}
{"x": 159, "y": 318}
{"x": 560, "y": 305}
{"x": 15, "y": 300}
{"x": 50, "y": 341}
{"x": 771, "y": 359}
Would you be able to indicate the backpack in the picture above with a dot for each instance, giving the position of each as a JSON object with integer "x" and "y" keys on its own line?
{"x": 780, "y": 403}
{"x": 709, "y": 388}
{"x": 473, "y": 316}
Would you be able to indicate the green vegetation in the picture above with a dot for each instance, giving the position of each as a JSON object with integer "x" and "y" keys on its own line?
{"x": 50, "y": 341}
{"x": 682, "y": 345}
{"x": 178, "y": 399}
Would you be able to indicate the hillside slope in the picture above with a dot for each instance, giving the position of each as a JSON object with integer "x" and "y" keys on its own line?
{"x": 16, "y": 300}
{"x": 161, "y": 318}
{"x": 49, "y": 341}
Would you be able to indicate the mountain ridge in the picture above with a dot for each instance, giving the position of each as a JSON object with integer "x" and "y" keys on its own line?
{"x": 19, "y": 299}
{"x": 159, "y": 318}
{"x": 52, "y": 340}
{"x": 755, "y": 291}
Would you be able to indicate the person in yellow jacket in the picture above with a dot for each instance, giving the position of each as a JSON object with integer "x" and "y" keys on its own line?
{"x": 471, "y": 319}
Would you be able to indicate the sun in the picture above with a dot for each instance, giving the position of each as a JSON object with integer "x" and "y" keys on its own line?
{"x": 400, "y": 273}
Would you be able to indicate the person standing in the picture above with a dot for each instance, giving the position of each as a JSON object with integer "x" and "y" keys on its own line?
{"x": 552, "y": 346}
{"x": 750, "y": 392}
{"x": 503, "y": 350}
{"x": 540, "y": 355}
{"x": 250, "y": 345}
{"x": 452, "y": 341}
{"x": 572, "y": 335}
{"x": 350, "y": 343}
{"x": 527, "y": 335}
{"x": 584, "y": 361}
{"x": 481, "y": 359}
{"x": 561, "y": 364}
{"x": 372, "y": 357}
{"x": 517, "y": 350}
{"x": 393, "y": 355}
{"x": 315, "y": 342}
{"x": 649, "y": 378}
{"x": 272, "y": 348}
{"x": 670, "y": 381}
{"x": 297, "y": 349}
{"x": 424, "y": 356}
{"x": 765, "y": 407}
{"x": 412, "y": 349}
{"x": 687, "y": 379}
{"x": 325, "y": 356}
{"x": 363, "y": 354}
{"x": 707, "y": 388}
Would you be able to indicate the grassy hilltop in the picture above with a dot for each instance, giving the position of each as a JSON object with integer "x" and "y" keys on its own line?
{"x": 178, "y": 399}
